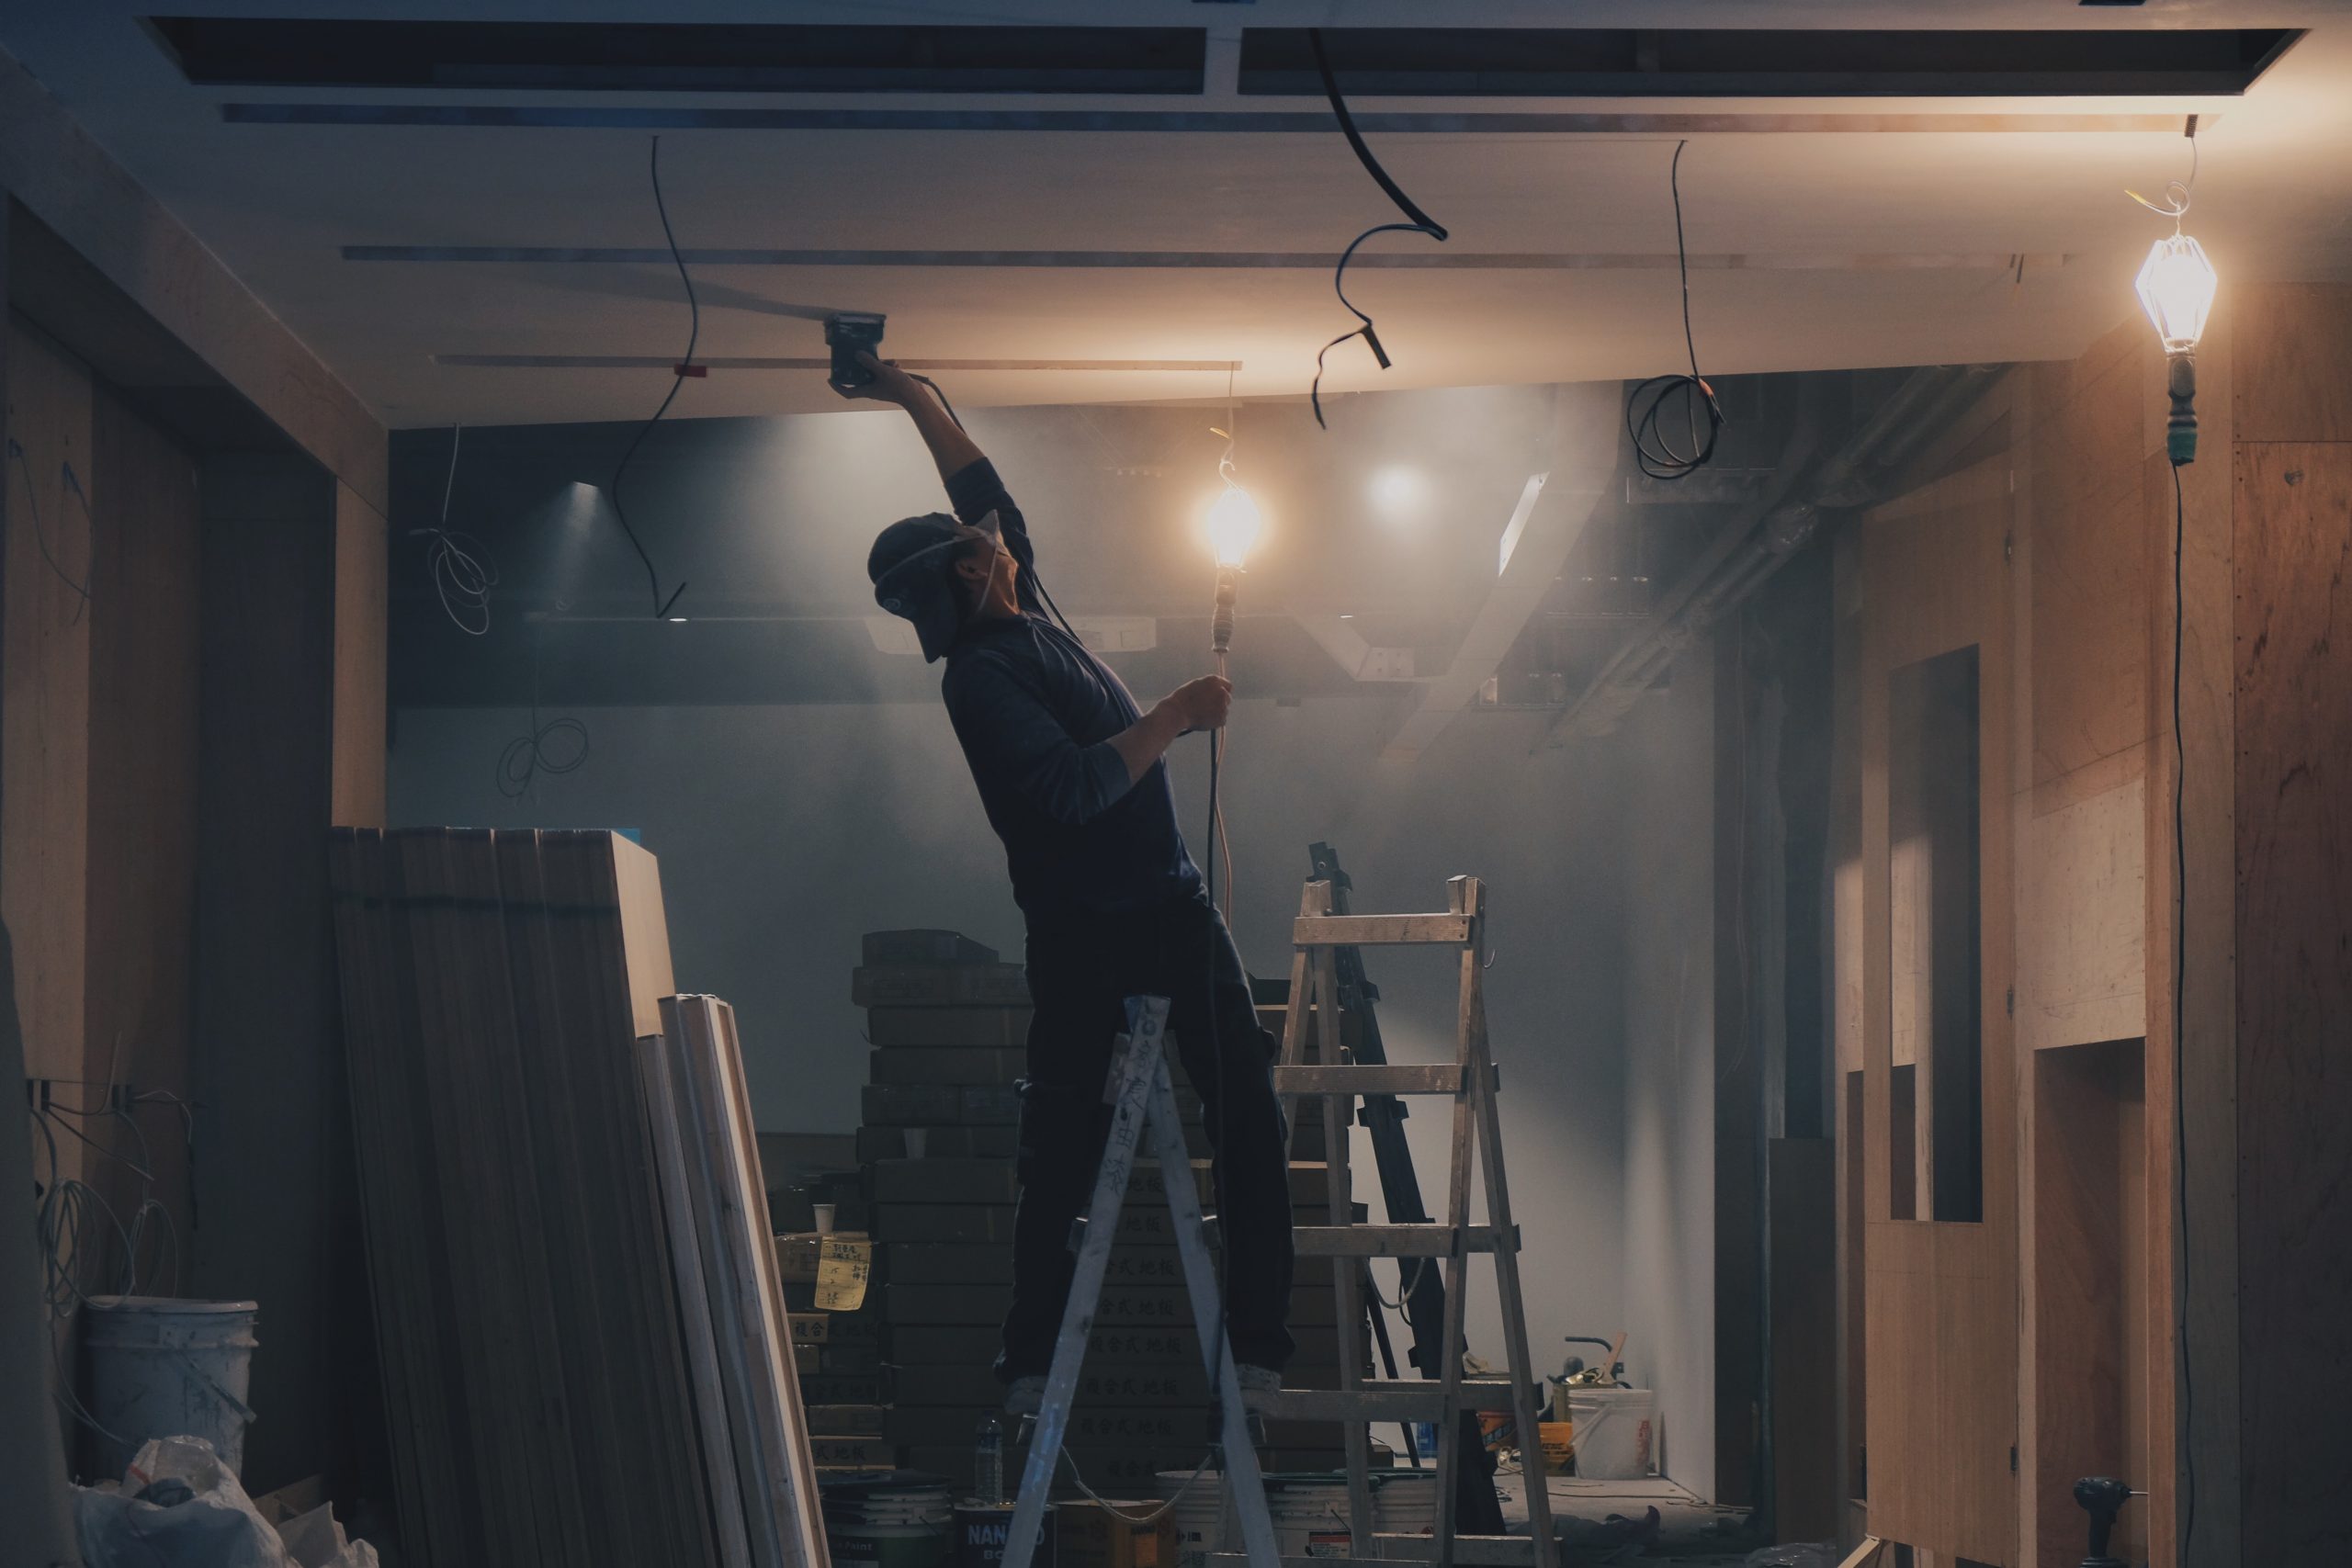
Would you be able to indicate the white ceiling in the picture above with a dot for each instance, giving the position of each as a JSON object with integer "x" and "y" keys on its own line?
{"x": 280, "y": 202}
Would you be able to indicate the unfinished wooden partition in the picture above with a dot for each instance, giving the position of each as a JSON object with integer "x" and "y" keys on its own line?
{"x": 1939, "y": 1173}
{"x": 2155, "y": 1288}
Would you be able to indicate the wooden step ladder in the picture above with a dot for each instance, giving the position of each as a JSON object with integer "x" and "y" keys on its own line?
{"x": 1471, "y": 1082}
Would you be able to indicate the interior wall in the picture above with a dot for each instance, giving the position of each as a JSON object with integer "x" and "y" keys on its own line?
{"x": 273, "y": 1119}
{"x": 1666, "y": 865}
{"x": 2291, "y": 552}
{"x": 786, "y": 832}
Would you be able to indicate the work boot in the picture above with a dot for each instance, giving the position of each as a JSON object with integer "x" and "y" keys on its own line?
{"x": 1025, "y": 1396}
{"x": 1259, "y": 1385}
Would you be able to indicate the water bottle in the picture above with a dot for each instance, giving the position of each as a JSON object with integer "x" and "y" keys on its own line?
{"x": 987, "y": 1460}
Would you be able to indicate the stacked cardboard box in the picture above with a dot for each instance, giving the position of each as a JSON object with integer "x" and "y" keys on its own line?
{"x": 838, "y": 1350}
{"x": 948, "y": 1024}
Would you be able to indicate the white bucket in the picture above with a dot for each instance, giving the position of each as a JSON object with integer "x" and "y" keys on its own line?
{"x": 1310, "y": 1514}
{"x": 1196, "y": 1516}
{"x": 1613, "y": 1431}
{"x": 162, "y": 1368}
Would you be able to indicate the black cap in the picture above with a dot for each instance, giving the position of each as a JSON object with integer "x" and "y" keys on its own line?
{"x": 913, "y": 567}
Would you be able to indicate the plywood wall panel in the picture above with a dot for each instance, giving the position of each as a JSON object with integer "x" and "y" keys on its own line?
{"x": 2089, "y": 587}
{"x": 144, "y": 695}
{"x": 2082, "y": 968}
{"x": 2294, "y": 555}
{"x": 1941, "y": 1306}
{"x": 2294, "y": 345}
{"x": 44, "y": 702}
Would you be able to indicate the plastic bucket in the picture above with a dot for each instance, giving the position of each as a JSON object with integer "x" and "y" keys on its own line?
{"x": 1614, "y": 1429}
{"x": 164, "y": 1368}
{"x": 1309, "y": 1513}
{"x": 1198, "y": 1516}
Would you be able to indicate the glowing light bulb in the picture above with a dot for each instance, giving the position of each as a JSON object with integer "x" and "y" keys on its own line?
{"x": 1233, "y": 526}
{"x": 2176, "y": 285}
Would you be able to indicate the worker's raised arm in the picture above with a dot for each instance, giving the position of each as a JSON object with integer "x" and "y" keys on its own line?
{"x": 951, "y": 449}
{"x": 974, "y": 490}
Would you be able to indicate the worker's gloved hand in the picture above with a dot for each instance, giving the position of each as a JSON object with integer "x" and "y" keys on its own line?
{"x": 1202, "y": 703}
{"x": 890, "y": 384}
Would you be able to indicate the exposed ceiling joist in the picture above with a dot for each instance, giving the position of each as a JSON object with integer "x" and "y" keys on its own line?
{"x": 1549, "y": 520}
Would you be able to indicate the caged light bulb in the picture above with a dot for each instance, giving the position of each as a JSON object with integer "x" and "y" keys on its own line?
{"x": 2176, "y": 284}
{"x": 1233, "y": 526}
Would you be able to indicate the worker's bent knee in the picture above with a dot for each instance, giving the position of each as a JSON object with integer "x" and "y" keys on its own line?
{"x": 1061, "y": 1132}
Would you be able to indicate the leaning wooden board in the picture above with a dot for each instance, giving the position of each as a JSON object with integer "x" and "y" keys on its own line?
{"x": 530, "y": 1335}
{"x": 754, "y": 1331}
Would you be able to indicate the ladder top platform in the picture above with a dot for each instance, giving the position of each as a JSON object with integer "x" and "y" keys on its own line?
{"x": 1384, "y": 930}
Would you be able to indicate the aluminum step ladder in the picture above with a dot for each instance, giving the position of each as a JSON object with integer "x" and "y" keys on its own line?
{"x": 1146, "y": 1121}
{"x": 1470, "y": 1081}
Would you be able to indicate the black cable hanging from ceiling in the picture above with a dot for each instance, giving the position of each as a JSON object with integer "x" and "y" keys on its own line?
{"x": 1654, "y": 452}
{"x": 1416, "y": 223}
{"x": 679, "y": 373}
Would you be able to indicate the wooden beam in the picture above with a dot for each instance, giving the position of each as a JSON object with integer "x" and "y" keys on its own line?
{"x": 356, "y": 786}
{"x": 67, "y": 179}
{"x": 1551, "y": 518}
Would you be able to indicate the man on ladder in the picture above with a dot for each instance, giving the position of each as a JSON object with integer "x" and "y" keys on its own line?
{"x": 1071, "y": 774}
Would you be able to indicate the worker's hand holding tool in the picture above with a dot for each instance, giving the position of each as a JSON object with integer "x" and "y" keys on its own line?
{"x": 890, "y": 384}
{"x": 1202, "y": 704}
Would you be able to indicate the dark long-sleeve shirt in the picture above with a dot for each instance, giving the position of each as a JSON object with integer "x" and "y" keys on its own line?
{"x": 1035, "y": 713}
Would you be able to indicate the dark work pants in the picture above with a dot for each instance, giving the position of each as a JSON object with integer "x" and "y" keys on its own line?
{"x": 1080, "y": 980}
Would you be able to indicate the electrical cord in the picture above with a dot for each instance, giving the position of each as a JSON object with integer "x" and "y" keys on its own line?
{"x": 2179, "y": 1006}
{"x": 1652, "y": 451}
{"x": 462, "y": 571}
{"x": 527, "y": 756}
{"x": 1416, "y": 221}
{"x": 678, "y": 375}
{"x": 1220, "y": 1151}
{"x": 40, "y": 536}
{"x": 2177, "y": 192}
{"x": 1112, "y": 1508}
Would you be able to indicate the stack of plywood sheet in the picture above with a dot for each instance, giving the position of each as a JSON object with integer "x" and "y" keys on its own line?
{"x": 540, "y": 1375}
{"x": 948, "y": 1024}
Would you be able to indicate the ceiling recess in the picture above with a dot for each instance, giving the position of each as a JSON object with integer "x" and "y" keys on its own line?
{"x": 1745, "y": 62}
{"x": 1476, "y": 62}
{"x": 680, "y": 57}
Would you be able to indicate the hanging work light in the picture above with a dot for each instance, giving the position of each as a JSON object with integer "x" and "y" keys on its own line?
{"x": 1233, "y": 528}
{"x": 2176, "y": 285}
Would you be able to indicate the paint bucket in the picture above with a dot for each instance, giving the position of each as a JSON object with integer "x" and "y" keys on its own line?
{"x": 1198, "y": 1516}
{"x": 981, "y": 1530}
{"x": 1559, "y": 1446}
{"x": 1309, "y": 1509}
{"x": 165, "y": 1367}
{"x": 1613, "y": 1428}
{"x": 888, "y": 1519}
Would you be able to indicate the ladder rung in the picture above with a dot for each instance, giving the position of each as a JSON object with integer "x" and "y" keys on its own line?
{"x": 1443, "y": 1077}
{"x": 1471, "y": 1387}
{"x": 1380, "y": 930}
{"x": 1489, "y": 1550}
{"x": 1397, "y": 1401}
{"x": 1397, "y": 1241}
